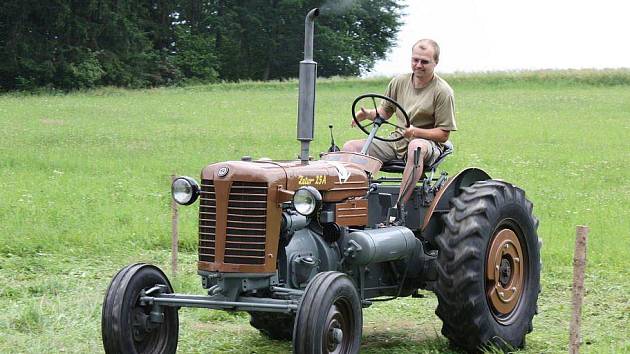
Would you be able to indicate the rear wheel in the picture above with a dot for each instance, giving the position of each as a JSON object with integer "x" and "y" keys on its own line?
{"x": 329, "y": 317}
{"x": 126, "y": 325}
{"x": 488, "y": 267}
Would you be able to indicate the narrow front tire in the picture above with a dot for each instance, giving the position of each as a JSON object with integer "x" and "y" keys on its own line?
{"x": 126, "y": 324}
{"x": 329, "y": 317}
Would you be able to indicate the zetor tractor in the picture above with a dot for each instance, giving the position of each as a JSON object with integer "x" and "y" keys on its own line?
{"x": 304, "y": 246}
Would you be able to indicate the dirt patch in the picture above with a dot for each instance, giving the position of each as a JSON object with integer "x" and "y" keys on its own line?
{"x": 48, "y": 121}
{"x": 400, "y": 328}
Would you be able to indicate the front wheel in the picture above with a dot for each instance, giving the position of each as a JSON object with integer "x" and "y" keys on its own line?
{"x": 329, "y": 317}
{"x": 126, "y": 324}
{"x": 488, "y": 267}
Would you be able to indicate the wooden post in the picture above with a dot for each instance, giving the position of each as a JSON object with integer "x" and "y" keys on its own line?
{"x": 174, "y": 233}
{"x": 579, "y": 263}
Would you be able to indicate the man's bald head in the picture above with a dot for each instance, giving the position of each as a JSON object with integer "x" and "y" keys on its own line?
{"x": 425, "y": 44}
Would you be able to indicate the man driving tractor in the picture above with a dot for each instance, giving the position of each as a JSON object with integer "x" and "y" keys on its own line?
{"x": 428, "y": 100}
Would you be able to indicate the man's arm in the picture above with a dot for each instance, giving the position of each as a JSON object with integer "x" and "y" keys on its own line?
{"x": 444, "y": 119}
{"x": 436, "y": 134}
{"x": 370, "y": 114}
{"x": 385, "y": 110}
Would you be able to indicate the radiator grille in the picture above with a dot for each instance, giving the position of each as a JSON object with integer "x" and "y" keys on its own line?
{"x": 207, "y": 221}
{"x": 245, "y": 236}
{"x": 246, "y": 224}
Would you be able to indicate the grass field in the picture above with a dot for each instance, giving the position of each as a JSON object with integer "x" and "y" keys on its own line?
{"x": 84, "y": 190}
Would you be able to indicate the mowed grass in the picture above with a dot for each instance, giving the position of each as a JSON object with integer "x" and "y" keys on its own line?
{"x": 85, "y": 177}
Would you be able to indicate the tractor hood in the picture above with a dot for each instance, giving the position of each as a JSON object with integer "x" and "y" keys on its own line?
{"x": 240, "y": 207}
{"x": 336, "y": 180}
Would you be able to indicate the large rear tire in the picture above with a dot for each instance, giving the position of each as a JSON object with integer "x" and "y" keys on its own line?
{"x": 488, "y": 267}
{"x": 125, "y": 324}
{"x": 329, "y": 317}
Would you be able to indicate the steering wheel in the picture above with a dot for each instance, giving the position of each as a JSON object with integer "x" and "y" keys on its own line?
{"x": 378, "y": 120}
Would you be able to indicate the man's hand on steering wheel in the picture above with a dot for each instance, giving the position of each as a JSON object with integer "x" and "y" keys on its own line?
{"x": 378, "y": 118}
{"x": 362, "y": 115}
{"x": 409, "y": 132}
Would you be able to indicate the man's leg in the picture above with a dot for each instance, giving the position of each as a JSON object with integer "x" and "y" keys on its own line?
{"x": 353, "y": 145}
{"x": 382, "y": 150}
{"x": 426, "y": 153}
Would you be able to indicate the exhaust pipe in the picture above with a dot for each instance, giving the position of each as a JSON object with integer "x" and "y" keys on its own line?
{"x": 308, "y": 75}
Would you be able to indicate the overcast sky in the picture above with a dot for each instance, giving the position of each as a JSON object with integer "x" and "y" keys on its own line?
{"x": 491, "y": 35}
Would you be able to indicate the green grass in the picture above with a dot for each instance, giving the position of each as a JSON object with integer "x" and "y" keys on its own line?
{"x": 84, "y": 190}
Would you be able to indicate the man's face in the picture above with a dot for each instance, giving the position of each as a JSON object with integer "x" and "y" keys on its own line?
{"x": 422, "y": 61}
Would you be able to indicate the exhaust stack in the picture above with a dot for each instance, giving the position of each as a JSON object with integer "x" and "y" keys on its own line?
{"x": 308, "y": 75}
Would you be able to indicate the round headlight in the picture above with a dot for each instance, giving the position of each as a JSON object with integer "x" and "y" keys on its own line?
{"x": 306, "y": 200}
{"x": 185, "y": 190}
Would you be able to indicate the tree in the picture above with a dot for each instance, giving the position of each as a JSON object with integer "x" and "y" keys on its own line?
{"x": 263, "y": 39}
{"x": 350, "y": 42}
{"x": 72, "y": 44}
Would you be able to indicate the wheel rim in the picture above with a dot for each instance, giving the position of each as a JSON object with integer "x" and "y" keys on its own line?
{"x": 338, "y": 329}
{"x": 505, "y": 274}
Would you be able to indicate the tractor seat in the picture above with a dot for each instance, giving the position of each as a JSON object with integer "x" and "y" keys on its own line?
{"x": 398, "y": 166}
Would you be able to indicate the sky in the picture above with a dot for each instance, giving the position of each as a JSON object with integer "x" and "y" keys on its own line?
{"x": 506, "y": 35}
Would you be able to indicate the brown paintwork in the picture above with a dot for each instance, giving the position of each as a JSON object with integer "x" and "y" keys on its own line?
{"x": 505, "y": 254}
{"x": 232, "y": 268}
{"x": 342, "y": 191}
{"x": 352, "y": 213}
{"x": 283, "y": 195}
{"x": 451, "y": 188}
{"x": 434, "y": 203}
{"x": 270, "y": 174}
{"x": 282, "y": 179}
{"x": 324, "y": 176}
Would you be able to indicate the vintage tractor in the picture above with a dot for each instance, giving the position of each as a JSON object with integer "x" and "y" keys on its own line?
{"x": 304, "y": 246}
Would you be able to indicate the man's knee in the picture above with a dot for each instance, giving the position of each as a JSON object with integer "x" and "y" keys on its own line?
{"x": 352, "y": 146}
{"x": 413, "y": 146}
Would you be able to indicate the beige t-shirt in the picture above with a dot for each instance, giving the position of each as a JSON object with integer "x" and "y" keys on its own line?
{"x": 429, "y": 107}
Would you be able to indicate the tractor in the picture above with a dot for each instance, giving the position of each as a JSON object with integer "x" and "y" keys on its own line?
{"x": 304, "y": 246}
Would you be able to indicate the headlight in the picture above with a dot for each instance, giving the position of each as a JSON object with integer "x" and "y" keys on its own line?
{"x": 185, "y": 190}
{"x": 306, "y": 200}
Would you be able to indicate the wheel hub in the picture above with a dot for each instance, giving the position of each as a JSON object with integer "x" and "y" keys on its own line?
{"x": 337, "y": 335}
{"x": 504, "y": 273}
{"x": 139, "y": 324}
{"x": 334, "y": 335}
{"x": 142, "y": 323}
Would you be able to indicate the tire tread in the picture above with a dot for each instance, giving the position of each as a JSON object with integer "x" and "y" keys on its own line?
{"x": 462, "y": 305}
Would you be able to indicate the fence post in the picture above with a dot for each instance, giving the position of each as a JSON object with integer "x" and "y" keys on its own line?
{"x": 579, "y": 263}
{"x": 174, "y": 232}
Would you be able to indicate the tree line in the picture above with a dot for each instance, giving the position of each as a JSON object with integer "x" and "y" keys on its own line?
{"x": 73, "y": 44}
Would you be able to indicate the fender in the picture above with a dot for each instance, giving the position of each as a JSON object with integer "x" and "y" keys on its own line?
{"x": 451, "y": 188}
